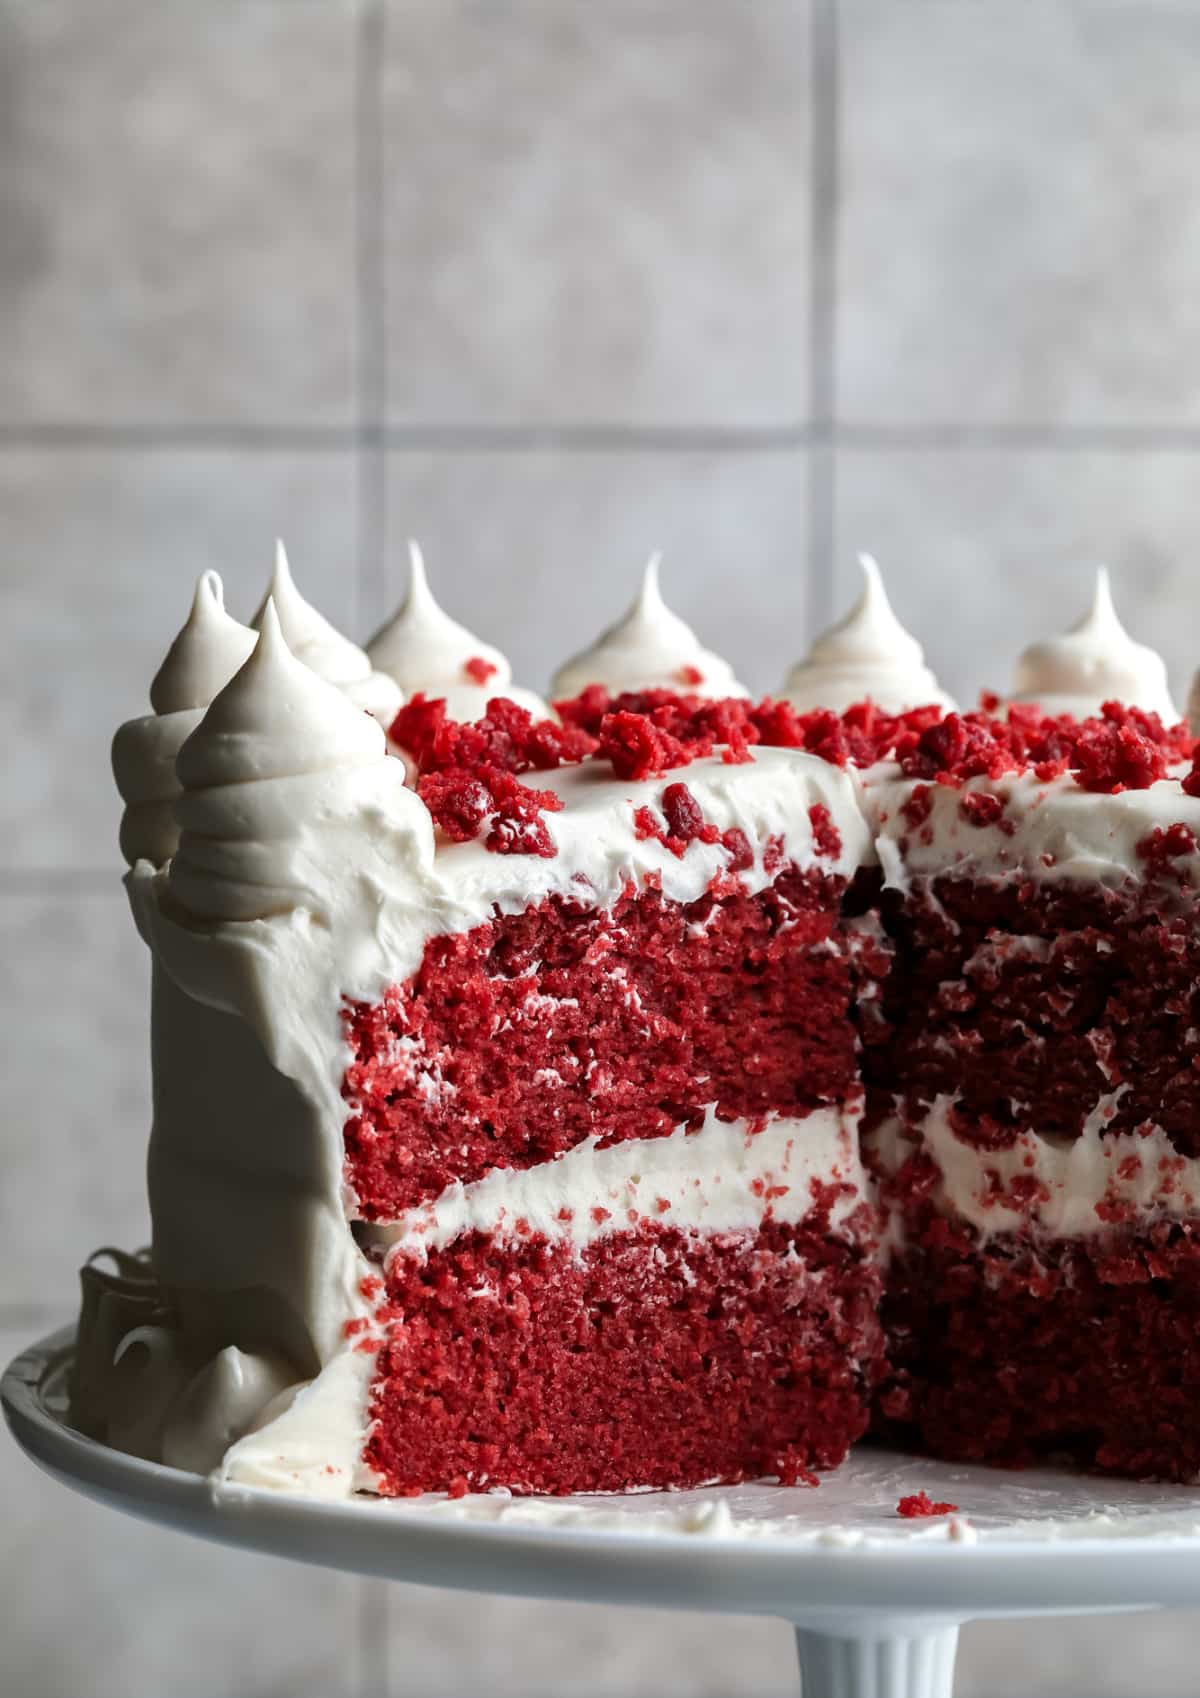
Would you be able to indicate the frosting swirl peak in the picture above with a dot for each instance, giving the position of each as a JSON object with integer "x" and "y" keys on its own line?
{"x": 1094, "y": 662}
{"x": 867, "y": 655}
{"x": 291, "y": 801}
{"x": 650, "y": 648}
{"x": 425, "y": 650}
{"x": 204, "y": 656}
{"x": 324, "y": 650}
{"x": 276, "y": 718}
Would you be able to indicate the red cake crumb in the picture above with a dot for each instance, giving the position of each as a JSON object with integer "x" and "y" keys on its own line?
{"x": 638, "y": 748}
{"x": 1111, "y": 758}
{"x": 917, "y": 809}
{"x": 827, "y": 839}
{"x": 980, "y": 809}
{"x": 656, "y": 1358}
{"x": 479, "y": 670}
{"x": 683, "y": 822}
{"x": 461, "y": 800}
{"x": 506, "y": 738}
{"x": 1167, "y": 844}
{"x": 517, "y": 1039}
{"x": 690, "y": 676}
{"x": 919, "y": 1504}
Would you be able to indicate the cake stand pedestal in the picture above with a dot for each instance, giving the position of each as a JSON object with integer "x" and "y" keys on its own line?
{"x": 876, "y": 1600}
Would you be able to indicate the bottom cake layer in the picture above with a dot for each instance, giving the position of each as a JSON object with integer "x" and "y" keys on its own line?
{"x": 655, "y": 1357}
{"x": 1008, "y": 1349}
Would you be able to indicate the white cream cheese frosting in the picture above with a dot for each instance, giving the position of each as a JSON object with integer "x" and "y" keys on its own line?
{"x": 711, "y": 1180}
{"x": 1094, "y": 662}
{"x": 867, "y": 655}
{"x": 202, "y": 659}
{"x": 1048, "y": 832}
{"x": 277, "y": 759}
{"x": 428, "y": 652}
{"x": 649, "y": 648}
{"x": 1052, "y": 1185}
{"x": 324, "y": 650}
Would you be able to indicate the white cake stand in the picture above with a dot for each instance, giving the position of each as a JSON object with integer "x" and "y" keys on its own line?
{"x": 876, "y": 1600}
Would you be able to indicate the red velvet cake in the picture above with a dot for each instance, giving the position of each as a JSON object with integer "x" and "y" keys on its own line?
{"x": 663, "y": 1090}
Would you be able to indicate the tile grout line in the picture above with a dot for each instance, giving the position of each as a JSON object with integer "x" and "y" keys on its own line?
{"x": 601, "y": 437}
{"x": 370, "y": 524}
{"x": 822, "y": 325}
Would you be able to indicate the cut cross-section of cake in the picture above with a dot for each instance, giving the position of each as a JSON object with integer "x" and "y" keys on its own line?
{"x": 662, "y": 1092}
{"x": 518, "y": 1118}
{"x": 1034, "y": 1082}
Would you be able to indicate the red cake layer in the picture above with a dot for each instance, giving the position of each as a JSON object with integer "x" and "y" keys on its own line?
{"x": 1028, "y": 1002}
{"x": 518, "y": 1039}
{"x": 1007, "y": 1351}
{"x": 655, "y": 1358}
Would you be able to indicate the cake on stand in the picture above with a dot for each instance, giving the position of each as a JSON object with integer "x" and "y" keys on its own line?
{"x": 876, "y": 1600}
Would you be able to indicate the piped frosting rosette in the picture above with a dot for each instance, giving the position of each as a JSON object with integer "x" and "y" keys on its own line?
{"x": 650, "y": 648}
{"x": 867, "y": 656}
{"x": 324, "y": 650}
{"x": 200, "y": 662}
{"x": 287, "y": 790}
{"x": 428, "y": 652}
{"x": 1096, "y": 661}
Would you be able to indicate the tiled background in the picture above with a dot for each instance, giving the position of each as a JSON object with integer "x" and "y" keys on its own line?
{"x": 547, "y": 284}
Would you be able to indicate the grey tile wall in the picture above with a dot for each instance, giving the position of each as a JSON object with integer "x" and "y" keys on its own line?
{"x": 597, "y": 213}
{"x": 548, "y": 286}
{"x": 177, "y": 196}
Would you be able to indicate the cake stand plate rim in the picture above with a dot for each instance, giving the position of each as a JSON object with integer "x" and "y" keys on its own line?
{"x": 921, "y": 1572}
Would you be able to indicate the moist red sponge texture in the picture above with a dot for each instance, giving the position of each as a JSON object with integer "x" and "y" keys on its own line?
{"x": 1027, "y": 1002}
{"x": 656, "y": 1358}
{"x": 518, "y": 1039}
{"x": 1004, "y": 1352}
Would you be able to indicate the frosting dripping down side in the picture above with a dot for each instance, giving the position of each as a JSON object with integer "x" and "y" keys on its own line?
{"x": 650, "y": 648}
{"x": 868, "y": 655}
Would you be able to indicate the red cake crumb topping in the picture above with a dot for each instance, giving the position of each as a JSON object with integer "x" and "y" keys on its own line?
{"x": 506, "y": 737}
{"x": 683, "y": 822}
{"x": 919, "y": 1504}
{"x": 690, "y": 676}
{"x": 1111, "y": 757}
{"x": 1123, "y": 749}
{"x": 638, "y": 748}
{"x": 460, "y": 800}
{"x": 479, "y": 670}
{"x": 827, "y": 839}
{"x": 1167, "y": 844}
{"x": 980, "y": 809}
{"x": 917, "y": 809}
{"x": 468, "y": 772}
{"x": 654, "y": 1358}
